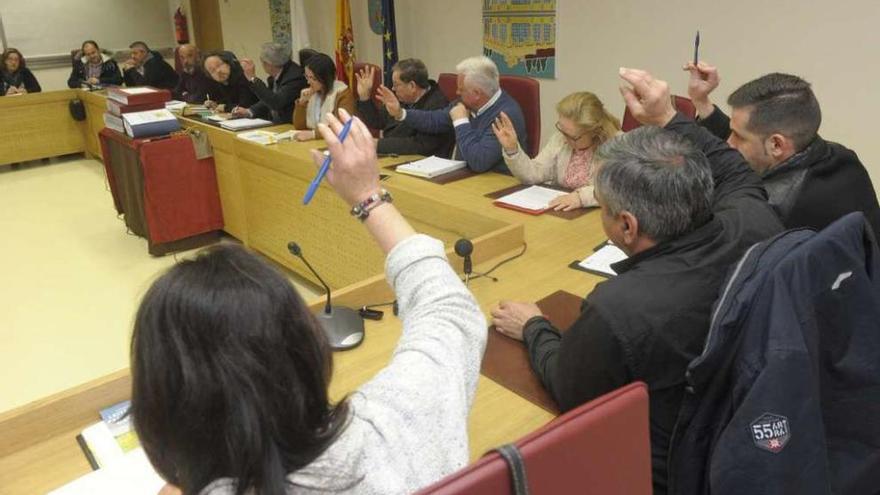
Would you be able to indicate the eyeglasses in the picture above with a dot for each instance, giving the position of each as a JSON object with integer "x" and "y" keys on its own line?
{"x": 567, "y": 136}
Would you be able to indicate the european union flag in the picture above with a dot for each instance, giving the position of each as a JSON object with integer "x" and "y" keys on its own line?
{"x": 389, "y": 40}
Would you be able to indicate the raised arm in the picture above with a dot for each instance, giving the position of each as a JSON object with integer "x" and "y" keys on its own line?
{"x": 420, "y": 402}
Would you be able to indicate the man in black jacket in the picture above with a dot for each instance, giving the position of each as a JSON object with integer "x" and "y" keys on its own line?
{"x": 285, "y": 82}
{"x": 414, "y": 90}
{"x": 193, "y": 85}
{"x": 93, "y": 68}
{"x": 774, "y": 124}
{"x": 148, "y": 68}
{"x": 684, "y": 206}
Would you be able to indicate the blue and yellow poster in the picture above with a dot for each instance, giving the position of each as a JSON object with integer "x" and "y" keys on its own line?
{"x": 520, "y": 36}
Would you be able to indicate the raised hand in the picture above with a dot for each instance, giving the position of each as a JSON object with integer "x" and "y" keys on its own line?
{"x": 648, "y": 99}
{"x": 703, "y": 80}
{"x": 506, "y": 133}
{"x": 365, "y": 82}
{"x": 354, "y": 171}
{"x": 250, "y": 70}
{"x": 389, "y": 99}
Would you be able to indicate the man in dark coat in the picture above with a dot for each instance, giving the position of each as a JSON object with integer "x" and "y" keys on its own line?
{"x": 277, "y": 95}
{"x": 774, "y": 123}
{"x": 148, "y": 68}
{"x": 684, "y": 207}
{"x": 93, "y": 68}
{"x": 193, "y": 85}
{"x": 414, "y": 90}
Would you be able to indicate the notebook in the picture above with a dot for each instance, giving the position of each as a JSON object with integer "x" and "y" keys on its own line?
{"x": 242, "y": 124}
{"x": 534, "y": 199}
{"x": 431, "y": 167}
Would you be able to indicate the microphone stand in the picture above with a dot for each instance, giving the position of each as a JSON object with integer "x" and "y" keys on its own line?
{"x": 344, "y": 326}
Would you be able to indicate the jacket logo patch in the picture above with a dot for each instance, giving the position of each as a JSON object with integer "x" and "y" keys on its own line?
{"x": 770, "y": 432}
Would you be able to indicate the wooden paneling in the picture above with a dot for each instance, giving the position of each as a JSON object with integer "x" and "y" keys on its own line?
{"x": 38, "y": 125}
{"x": 208, "y": 35}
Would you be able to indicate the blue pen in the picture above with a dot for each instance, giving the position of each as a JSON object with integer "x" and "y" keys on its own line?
{"x": 313, "y": 187}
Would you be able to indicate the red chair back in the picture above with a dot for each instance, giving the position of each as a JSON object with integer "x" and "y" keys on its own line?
{"x": 448, "y": 84}
{"x": 527, "y": 92}
{"x": 601, "y": 447}
{"x": 682, "y": 104}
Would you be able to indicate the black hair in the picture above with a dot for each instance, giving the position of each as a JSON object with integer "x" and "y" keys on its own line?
{"x": 324, "y": 69}
{"x": 229, "y": 375}
{"x": 305, "y": 54}
{"x": 781, "y": 103}
{"x": 413, "y": 69}
{"x": 140, "y": 44}
{"x": 90, "y": 42}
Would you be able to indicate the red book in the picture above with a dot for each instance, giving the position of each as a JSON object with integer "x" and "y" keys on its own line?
{"x": 139, "y": 96}
{"x": 118, "y": 109}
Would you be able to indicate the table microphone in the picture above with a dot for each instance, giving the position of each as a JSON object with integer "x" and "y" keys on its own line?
{"x": 344, "y": 327}
{"x": 464, "y": 248}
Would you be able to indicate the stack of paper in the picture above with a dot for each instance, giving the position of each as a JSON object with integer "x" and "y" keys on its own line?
{"x": 600, "y": 262}
{"x": 431, "y": 167}
{"x": 242, "y": 124}
{"x": 175, "y": 106}
{"x": 150, "y": 123}
{"x": 534, "y": 199}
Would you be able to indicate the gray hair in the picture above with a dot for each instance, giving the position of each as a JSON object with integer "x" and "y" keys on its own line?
{"x": 659, "y": 177}
{"x": 480, "y": 72}
{"x": 275, "y": 54}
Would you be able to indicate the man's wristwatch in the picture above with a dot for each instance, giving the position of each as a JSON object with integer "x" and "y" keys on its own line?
{"x": 362, "y": 210}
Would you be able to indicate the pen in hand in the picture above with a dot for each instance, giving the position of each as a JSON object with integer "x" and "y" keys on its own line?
{"x": 325, "y": 166}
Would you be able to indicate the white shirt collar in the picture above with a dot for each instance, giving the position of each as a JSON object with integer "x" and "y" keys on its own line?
{"x": 488, "y": 104}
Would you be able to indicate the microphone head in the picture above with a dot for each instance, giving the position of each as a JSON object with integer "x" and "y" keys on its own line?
{"x": 464, "y": 247}
{"x": 294, "y": 248}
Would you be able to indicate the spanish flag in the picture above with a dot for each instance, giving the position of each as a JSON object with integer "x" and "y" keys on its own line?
{"x": 344, "y": 43}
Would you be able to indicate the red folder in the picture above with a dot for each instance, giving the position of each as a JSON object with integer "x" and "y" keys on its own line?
{"x": 123, "y": 96}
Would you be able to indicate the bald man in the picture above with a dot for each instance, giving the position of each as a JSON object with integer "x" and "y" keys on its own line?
{"x": 194, "y": 85}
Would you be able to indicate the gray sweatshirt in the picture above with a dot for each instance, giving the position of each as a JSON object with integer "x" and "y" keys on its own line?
{"x": 407, "y": 426}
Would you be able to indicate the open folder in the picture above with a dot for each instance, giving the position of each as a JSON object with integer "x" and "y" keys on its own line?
{"x": 506, "y": 360}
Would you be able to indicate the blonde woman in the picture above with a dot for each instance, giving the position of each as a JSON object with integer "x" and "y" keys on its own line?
{"x": 567, "y": 159}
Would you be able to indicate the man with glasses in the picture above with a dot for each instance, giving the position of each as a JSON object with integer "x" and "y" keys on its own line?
{"x": 414, "y": 90}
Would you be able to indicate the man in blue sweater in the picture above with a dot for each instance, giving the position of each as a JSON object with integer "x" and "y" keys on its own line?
{"x": 480, "y": 101}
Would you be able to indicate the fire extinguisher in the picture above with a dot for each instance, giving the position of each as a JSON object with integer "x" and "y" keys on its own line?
{"x": 181, "y": 32}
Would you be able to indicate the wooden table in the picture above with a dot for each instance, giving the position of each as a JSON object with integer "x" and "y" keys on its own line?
{"x": 261, "y": 187}
{"x": 39, "y": 125}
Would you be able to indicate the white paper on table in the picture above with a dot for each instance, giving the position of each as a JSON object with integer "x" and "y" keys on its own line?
{"x": 133, "y": 475}
{"x": 137, "y": 91}
{"x": 431, "y": 167}
{"x": 532, "y": 198}
{"x": 602, "y": 259}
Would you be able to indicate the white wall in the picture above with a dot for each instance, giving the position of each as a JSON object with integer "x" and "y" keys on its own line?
{"x": 832, "y": 45}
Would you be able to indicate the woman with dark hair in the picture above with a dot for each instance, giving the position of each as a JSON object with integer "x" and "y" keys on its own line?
{"x": 323, "y": 95}
{"x": 91, "y": 67}
{"x": 230, "y": 369}
{"x": 230, "y": 89}
{"x": 16, "y": 78}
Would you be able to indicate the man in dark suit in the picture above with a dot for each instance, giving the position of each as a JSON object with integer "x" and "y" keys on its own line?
{"x": 285, "y": 82}
{"x": 194, "y": 85}
{"x": 414, "y": 90}
{"x": 147, "y": 68}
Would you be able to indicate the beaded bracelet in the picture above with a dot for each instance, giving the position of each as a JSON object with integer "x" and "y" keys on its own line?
{"x": 362, "y": 210}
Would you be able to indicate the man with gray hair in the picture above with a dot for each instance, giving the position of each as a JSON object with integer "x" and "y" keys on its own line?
{"x": 480, "y": 101}
{"x": 285, "y": 82}
{"x": 684, "y": 207}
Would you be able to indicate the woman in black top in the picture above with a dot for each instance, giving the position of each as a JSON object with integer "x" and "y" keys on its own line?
{"x": 16, "y": 77}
